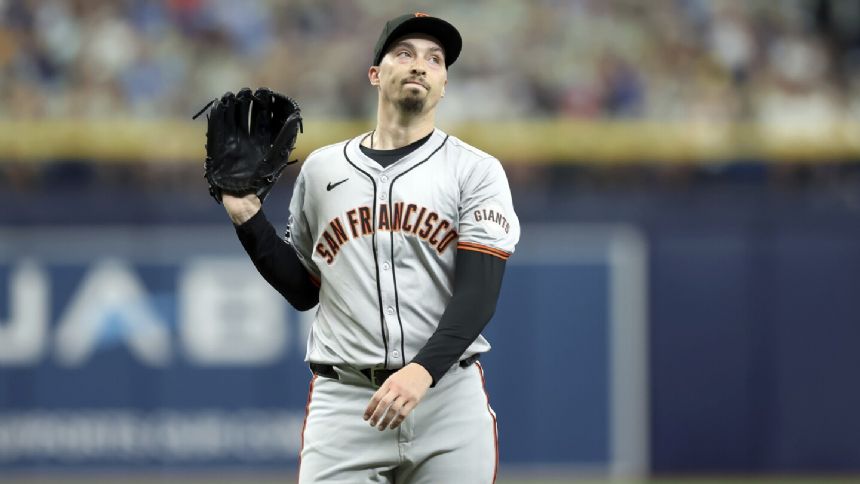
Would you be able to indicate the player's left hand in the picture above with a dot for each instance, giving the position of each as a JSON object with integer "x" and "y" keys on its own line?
{"x": 396, "y": 398}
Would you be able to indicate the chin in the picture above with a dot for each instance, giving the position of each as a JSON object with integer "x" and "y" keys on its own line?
{"x": 412, "y": 90}
{"x": 412, "y": 104}
{"x": 414, "y": 94}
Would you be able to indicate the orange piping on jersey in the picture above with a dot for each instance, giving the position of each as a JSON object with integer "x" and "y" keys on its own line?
{"x": 493, "y": 416}
{"x": 314, "y": 279}
{"x": 484, "y": 249}
{"x": 483, "y": 252}
{"x": 305, "y": 424}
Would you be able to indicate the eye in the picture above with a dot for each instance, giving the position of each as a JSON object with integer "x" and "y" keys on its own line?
{"x": 435, "y": 59}
{"x": 404, "y": 54}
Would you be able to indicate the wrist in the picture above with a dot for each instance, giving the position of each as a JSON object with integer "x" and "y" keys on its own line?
{"x": 423, "y": 372}
{"x": 241, "y": 208}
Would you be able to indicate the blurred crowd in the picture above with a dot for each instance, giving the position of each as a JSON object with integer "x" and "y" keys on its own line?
{"x": 671, "y": 60}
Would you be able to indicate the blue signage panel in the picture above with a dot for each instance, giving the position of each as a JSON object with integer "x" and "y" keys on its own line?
{"x": 165, "y": 348}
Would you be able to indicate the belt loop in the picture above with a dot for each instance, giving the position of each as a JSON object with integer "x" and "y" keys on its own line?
{"x": 468, "y": 361}
{"x": 373, "y": 374}
{"x": 327, "y": 371}
{"x": 377, "y": 375}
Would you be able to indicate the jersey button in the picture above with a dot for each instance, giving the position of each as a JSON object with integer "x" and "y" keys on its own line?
{"x": 383, "y": 178}
{"x": 389, "y": 310}
{"x": 383, "y": 196}
{"x": 386, "y": 266}
{"x": 395, "y": 354}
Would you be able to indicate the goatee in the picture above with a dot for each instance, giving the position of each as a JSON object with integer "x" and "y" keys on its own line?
{"x": 411, "y": 105}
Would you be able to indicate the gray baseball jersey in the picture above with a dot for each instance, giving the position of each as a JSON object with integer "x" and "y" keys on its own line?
{"x": 381, "y": 243}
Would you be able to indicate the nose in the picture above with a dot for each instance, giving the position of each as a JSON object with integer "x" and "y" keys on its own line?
{"x": 418, "y": 67}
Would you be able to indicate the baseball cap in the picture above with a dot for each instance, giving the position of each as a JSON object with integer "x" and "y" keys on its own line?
{"x": 420, "y": 23}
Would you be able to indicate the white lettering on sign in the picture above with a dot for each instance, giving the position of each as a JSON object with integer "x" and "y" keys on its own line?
{"x": 229, "y": 314}
{"x": 112, "y": 307}
{"x": 22, "y": 336}
{"x": 225, "y": 314}
{"x": 79, "y": 436}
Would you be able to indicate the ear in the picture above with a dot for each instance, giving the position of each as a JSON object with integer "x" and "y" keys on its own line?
{"x": 443, "y": 87}
{"x": 373, "y": 75}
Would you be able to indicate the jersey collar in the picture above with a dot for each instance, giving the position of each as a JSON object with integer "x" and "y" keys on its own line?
{"x": 353, "y": 151}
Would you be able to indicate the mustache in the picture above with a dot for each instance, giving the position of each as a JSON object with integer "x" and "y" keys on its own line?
{"x": 416, "y": 80}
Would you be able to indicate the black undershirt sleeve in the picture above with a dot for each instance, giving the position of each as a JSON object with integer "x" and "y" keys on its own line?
{"x": 277, "y": 262}
{"x": 477, "y": 281}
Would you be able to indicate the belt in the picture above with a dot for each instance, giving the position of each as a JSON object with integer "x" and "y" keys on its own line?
{"x": 376, "y": 376}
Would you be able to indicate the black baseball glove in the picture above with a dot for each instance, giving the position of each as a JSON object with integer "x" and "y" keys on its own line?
{"x": 249, "y": 140}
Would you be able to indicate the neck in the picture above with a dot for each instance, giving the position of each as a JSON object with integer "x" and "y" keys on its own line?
{"x": 396, "y": 130}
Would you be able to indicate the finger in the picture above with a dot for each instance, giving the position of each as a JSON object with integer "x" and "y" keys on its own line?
{"x": 281, "y": 108}
{"x": 381, "y": 408}
{"x": 244, "y": 93}
{"x": 380, "y": 411}
{"x": 228, "y": 97}
{"x": 227, "y": 105}
{"x": 391, "y": 414}
{"x": 263, "y": 94}
{"x": 261, "y": 116}
{"x": 243, "y": 111}
{"x": 220, "y": 121}
{"x": 404, "y": 412}
{"x": 374, "y": 400}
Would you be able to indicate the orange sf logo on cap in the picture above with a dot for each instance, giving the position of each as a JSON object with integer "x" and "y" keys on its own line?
{"x": 421, "y": 14}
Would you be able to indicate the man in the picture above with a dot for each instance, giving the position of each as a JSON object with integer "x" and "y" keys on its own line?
{"x": 401, "y": 236}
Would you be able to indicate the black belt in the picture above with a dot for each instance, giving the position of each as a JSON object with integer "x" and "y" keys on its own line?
{"x": 376, "y": 376}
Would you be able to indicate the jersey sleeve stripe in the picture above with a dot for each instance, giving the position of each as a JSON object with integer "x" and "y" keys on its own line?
{"x": 484, "y": 249}
{"x": 314, "y": 279}
{"x": 494, "y": 254}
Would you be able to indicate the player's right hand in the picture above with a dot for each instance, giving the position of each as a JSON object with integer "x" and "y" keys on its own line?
{"x": 398, "y": 396}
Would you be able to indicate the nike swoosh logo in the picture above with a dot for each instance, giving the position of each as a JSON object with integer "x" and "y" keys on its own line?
{"x": 331, "y": 186}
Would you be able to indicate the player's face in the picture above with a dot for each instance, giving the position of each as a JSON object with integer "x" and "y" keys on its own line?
{"x": 412, "y": 74}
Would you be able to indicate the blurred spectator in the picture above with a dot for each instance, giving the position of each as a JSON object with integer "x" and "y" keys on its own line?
{"x": 662, "y": 60}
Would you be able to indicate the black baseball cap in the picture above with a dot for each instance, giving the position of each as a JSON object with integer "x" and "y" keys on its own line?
{"x": 420, "y": 23}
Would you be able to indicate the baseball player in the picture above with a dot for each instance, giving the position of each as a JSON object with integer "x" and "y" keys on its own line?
{"x": 400, "y": 236}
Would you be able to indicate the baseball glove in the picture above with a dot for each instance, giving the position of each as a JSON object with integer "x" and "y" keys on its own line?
{"x": 249, "y": 139}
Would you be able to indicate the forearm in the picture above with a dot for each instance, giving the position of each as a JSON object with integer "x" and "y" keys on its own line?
{"x": 277, "y": 261}
{"x": 477, "y": 282}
